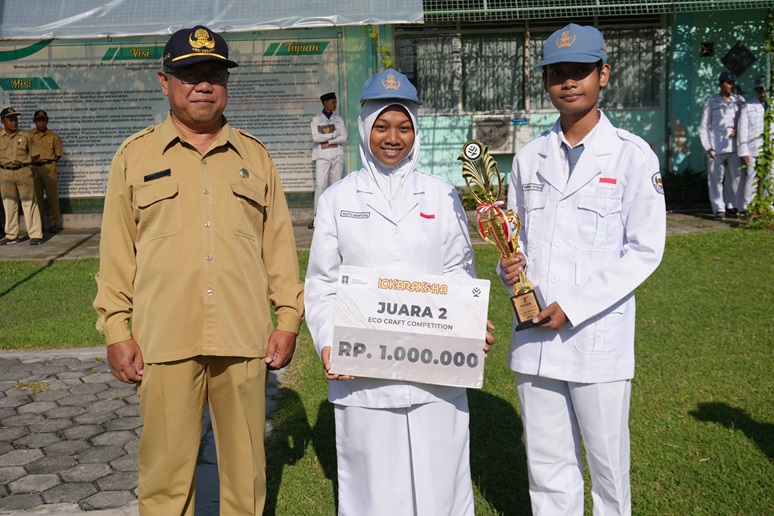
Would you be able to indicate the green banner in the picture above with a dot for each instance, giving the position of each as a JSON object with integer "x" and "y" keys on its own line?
{"x": 28, "y": 83}
{"x": 296, "y": 48}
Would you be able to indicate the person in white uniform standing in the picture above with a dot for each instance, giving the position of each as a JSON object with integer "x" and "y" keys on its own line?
{"x": 750, "y": 136}
{"x": 718, "y": 137}
{"x": 591, "y": 199}
{"x": 329, "y": 134}
{"x": 402, "y": 447}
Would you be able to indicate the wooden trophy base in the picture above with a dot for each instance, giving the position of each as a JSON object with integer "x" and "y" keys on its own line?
{"x": 527, "y": 306}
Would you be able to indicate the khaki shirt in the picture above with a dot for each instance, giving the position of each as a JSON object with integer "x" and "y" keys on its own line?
{"x": 16, "y": 149}
{"x": 195, "y": 248}
{"x": 48, "y": 144}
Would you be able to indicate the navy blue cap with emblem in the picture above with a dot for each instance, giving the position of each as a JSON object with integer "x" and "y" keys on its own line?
{"x": 389, "y": 84}
{"x": 760, "y": 82}
{"x": 9, "y": 111}
{"x": 574, "y": 44}
{"x": 726, "y": 76}
{"x": 196, "y": 45}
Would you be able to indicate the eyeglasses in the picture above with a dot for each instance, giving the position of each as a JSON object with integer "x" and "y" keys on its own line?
{"x": 193, "y": 77}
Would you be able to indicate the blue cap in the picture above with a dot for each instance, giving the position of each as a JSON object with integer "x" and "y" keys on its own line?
{"x": 389, "y": 84}
{"x": 726, "y": 76}
{"x": 760, "y": 81}
{"x": 574, "y": 44}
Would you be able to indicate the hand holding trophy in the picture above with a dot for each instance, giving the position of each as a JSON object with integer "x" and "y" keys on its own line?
{"x": 497, "y": 227}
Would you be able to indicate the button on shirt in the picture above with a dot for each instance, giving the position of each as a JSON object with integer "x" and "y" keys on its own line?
{"x": 194, "y": 249}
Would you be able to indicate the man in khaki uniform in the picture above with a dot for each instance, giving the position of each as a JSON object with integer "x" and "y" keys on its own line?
{"x": 49, "y": 145}
{"x": 196, "y": 245}
{"x": 16, "y": 154}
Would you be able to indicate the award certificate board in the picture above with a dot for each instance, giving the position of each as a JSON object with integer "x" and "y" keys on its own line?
{"x": 410, "y": 326}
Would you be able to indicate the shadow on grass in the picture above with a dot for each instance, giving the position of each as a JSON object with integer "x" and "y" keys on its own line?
{"x": 497, "y": 456}
{"x": 498, "y": 461}
{"x": 48, "y": 264}
{"x": 762, "y": 434}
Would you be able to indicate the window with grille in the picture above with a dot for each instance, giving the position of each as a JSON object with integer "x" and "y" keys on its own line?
{"x": 483, "y": 72}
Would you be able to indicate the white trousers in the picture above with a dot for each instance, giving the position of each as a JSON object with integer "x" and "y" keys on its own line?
{"x": 326, "y": 172}
{"x": 404, "y": 461}
{"x": 555, "y": 414}
{"x": 748, "y": 182}
{"x": 722, "y": 193}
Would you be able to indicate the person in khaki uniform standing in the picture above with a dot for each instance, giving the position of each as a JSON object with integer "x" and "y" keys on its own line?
{"x": 16, "y": 154}
{"x": 49, "y": 145}
{"x": 196, "y": 245}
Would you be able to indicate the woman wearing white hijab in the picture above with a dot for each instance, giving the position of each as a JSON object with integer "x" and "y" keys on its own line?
{"x": 402, "y": 447}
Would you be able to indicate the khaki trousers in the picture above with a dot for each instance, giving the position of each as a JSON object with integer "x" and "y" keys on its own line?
{"x": 46, "y": 180}
{"x": 172, "y": 402}
{"x": 15, "y": 185}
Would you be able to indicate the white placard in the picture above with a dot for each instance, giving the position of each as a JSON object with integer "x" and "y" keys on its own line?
{"x": 410, "y": 326}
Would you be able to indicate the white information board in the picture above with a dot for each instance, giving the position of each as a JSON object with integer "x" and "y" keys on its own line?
{"x": 410, "y": 326}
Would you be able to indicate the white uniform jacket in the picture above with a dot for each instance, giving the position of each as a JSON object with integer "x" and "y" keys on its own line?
{"x": 427, "y": 232}
{"x": 749, "y": 135}
{"x": 589, "y": 243}
{"x": 718, "y": 121}
{"x": 337, "y": 138}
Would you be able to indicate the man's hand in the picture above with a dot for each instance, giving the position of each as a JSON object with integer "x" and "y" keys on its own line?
{"x": 711, "y": 153}
{"x": 510, "y": 268}
{"x": 557, "y": 315}
{"x": 745, "y": 160}
{"x": 279, "y": 353}
{"x": 125, "y": 361}
{"x": 325, "y": 355}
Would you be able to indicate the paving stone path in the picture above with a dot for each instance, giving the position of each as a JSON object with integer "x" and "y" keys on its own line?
{"x": 69, "y": 433}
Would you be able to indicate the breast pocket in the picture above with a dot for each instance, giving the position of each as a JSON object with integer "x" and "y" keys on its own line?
{"x": 159, "y": 210}
{"x": 247, "y": 208}
{"x": 534, "y": 225}
{"x": 598, "y": 223}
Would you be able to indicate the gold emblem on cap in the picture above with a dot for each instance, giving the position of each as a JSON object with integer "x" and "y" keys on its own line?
{"x": 203, "y": 42}
{"x": 390, "y": 83}
{"x": 566, "y": 40}
{"x": 244, "y": 173}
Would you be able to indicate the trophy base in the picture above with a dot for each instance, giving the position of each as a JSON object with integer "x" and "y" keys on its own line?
{"x": 526, "y": 306}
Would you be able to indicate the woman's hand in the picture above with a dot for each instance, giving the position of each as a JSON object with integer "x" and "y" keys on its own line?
{"x": 325, "y": 355}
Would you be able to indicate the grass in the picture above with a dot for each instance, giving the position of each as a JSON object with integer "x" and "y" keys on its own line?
{"x": 702, "y": 419}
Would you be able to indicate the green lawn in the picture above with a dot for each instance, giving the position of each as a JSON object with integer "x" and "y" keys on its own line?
{"x": 702, "y": 418}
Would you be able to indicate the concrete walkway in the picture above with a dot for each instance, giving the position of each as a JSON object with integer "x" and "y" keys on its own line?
{"x": 69, "y": 431}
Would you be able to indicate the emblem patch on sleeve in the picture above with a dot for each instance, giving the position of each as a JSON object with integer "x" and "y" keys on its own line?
{"x": 658, "y": 183}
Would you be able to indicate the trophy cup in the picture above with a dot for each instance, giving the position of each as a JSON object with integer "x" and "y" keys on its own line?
{"x": 497, "y": 227}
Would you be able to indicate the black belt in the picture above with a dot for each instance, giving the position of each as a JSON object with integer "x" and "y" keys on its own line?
{"x": 13, "y": 167}
{"x": 44, "y": 162}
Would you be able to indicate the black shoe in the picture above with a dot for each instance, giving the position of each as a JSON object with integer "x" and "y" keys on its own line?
{"x": 36, "y": 241}
{"x": 311, "y": 225}
{"x": 8, "y": 241}
{"x": 721, "y": 215}
{"x": 54, "y": 229}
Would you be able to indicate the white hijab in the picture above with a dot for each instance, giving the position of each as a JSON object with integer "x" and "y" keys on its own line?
{"x": 389, "y": 179}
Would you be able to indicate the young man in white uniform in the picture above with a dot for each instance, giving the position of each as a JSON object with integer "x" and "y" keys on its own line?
{"x": 718, "y": 137}
{"x": 591, "y": 200}
{"x": 329, "y": 134}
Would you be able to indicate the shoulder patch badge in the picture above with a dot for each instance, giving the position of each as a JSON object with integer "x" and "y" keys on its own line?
{"x": 658, "y": 183}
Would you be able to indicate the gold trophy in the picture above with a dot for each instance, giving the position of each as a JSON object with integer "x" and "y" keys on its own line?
{"x": 498, "y": 227}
